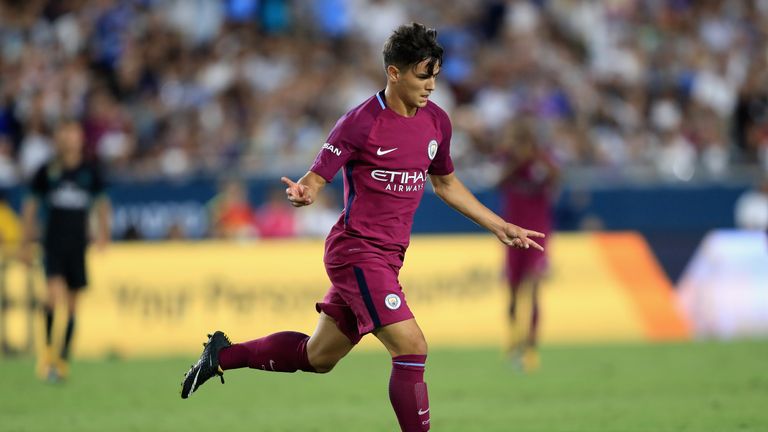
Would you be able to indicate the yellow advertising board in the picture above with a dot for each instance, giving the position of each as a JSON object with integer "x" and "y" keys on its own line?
{"x": 162, "y": 298}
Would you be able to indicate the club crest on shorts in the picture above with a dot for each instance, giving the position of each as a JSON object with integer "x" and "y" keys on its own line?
{"x": 392, "y": 301}
{"x": 432, "y": 149}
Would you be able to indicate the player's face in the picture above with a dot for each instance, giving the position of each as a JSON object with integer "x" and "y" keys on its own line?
{"x": 69, "y": 138}
{"x": 417, "y": 83}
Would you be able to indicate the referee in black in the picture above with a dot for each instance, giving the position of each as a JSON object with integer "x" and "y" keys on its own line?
{"x": 63, "y": 192}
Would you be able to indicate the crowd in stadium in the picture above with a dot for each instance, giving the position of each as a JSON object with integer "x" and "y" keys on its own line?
{"x": 667, "y": 89}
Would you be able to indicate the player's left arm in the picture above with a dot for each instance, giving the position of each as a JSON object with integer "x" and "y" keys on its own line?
{"x": 453, "y": 192}
{"x": 102, "y": 209}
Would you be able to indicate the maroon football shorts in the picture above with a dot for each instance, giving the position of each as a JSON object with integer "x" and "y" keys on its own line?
{"x": 364, "y": 296}
{"x": 525, "y": 263}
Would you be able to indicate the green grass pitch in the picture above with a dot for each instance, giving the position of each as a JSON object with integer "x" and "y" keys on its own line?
{"x": 666, "y": 387}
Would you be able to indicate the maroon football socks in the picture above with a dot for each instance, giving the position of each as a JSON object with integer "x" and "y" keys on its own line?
{"x": 408, "y": 392}
{"x": 279, "y": 352}
{"x": 287, "y": 352}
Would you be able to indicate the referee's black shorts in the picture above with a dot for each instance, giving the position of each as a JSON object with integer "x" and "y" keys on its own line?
{"x": 67, "y": 263}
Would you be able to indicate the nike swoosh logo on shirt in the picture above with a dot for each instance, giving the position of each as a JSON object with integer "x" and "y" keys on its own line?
{"x": 423, "y": 412}
{"x": 381, "y": 152}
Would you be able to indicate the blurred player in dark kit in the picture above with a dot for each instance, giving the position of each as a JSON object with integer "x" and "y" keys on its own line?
{"x": 67, "y": 189}
{"x": 528, "y": 184}
{"x": 388, "y": 147}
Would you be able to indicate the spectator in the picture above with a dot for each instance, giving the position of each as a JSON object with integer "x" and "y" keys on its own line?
{"x": 276, "y": 218}
{"x": 248, "y": 82}
{"x": 231, "y": 214}
{"x": 10, "y": 228}
{"x": 318, "y": 219}
{"x": 751, "y": 211}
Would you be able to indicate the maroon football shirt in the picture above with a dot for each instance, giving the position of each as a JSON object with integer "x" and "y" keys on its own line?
{"x": 386, "y": 159}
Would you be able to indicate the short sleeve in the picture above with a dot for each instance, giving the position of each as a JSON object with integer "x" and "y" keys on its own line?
{"x": 38, "y": 186}
{"x": 442, "y": 163}
{"x": 341, "y": 146}
{"x": 99, "y": 184}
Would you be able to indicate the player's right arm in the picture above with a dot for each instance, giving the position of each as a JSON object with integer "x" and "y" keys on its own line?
{"x": 303, "y": 192}
{"x": 38, "y": 187}
{"x": 339, "y": 148}
{"x": 29, "y": 228}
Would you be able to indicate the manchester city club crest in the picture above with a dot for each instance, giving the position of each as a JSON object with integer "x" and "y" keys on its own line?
{"x": 432, "y": 149}
{"x": 392, "y": 301}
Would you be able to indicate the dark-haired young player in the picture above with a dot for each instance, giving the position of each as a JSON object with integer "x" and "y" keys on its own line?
{"x": 388, "y": 147}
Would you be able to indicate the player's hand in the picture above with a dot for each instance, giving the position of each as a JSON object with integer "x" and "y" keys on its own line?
{"x": 101, "y": 243}
{"x": 26, "y": 253}
{"x": 298, "y": 194}
{"x": 518, "y": 237}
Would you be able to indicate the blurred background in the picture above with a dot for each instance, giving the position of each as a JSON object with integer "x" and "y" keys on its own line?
{"x": 653, "y": 114}
{"x": 666, "y": 99}
{"x": 659, "y": 97}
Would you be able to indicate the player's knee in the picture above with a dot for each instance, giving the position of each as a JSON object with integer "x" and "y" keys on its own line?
{"x": 71, "y": 307}
{"x": 324, "y": 369}
{"x": 324, "y": 364}
{"x": 324, "y": 361}
{"x": 413, "y": 345}
{"x": 420, "y": 346}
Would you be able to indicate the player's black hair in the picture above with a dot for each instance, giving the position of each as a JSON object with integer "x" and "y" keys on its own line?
{"x": 67, "y": 120}
{"x": 411, "y": 44}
